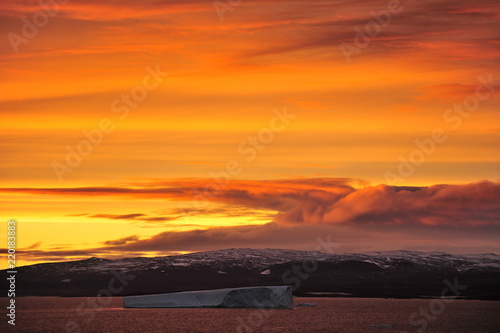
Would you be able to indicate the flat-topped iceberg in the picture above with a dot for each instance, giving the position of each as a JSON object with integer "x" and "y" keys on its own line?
{"x": 273, "y": 297}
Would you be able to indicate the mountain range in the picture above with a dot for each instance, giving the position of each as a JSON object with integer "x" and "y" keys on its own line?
{"x": 391, "y": 274}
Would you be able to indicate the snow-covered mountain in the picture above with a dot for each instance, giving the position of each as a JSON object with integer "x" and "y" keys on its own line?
{"x": 373, "y": 274}
{"x": 262, "y": 258}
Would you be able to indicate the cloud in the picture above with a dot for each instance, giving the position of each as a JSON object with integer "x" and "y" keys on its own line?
{"x": 312, "y": 201}
{"x": 306, "y": 237}
{"x": 97, "y": 10}
{"x": 135, "y": 217}
{"x": 424, "y": 28}
{"x": 279, "y": 27}
{"x": 172, "y": 214}
{"x": 122, "y": 241}
{"x": 33, "y": 246}
{"x": 471, "y": 204}
{"x": 453, "y": 218}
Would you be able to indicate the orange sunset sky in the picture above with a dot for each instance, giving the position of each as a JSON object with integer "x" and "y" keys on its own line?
{"x": 149, "y": 128}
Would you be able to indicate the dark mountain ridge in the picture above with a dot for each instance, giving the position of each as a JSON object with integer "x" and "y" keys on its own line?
{"x": 398, "y": 274}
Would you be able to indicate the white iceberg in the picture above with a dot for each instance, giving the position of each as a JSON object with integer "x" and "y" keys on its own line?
{"x": 273, "y": 297}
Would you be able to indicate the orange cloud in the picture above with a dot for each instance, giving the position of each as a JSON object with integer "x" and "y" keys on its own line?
{"x": 316, "y": 201}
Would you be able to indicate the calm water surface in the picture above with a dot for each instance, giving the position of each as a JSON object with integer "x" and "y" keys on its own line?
{"x": 349, "y": 315}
